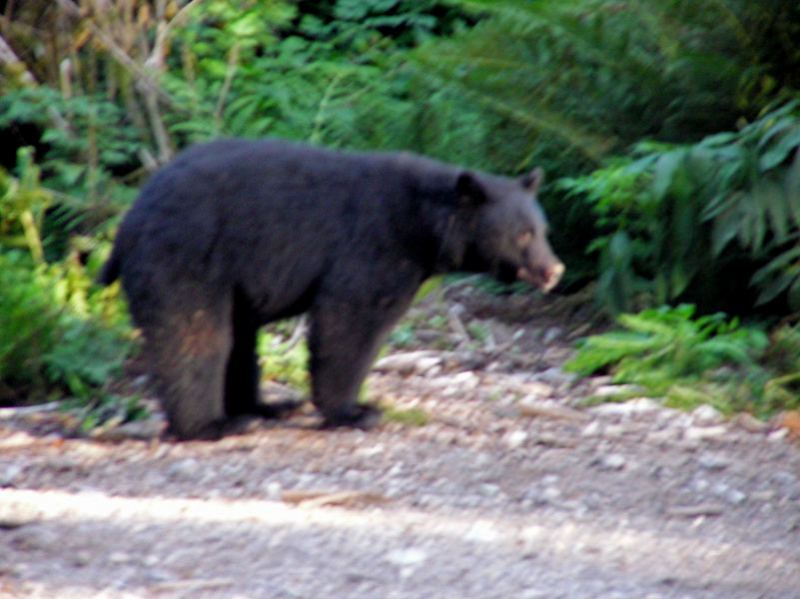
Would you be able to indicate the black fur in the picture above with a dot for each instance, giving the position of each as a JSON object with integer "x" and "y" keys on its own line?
{"x": 234, "y": 234}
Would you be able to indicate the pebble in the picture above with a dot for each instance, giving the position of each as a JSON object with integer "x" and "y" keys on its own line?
{"x": 119, "y": 557}
{"x": 732, "y": 496}
{"x": 81, "y": 559}
{"x": 778, "y": 435}
{"x": 611, "y": 461}
{"x": 9, "y": 475}
{"x": 539, "y": 389}
{"x": 184, "y": 469}
{"x": 706, "y": 415}
{"x": 489, "y": 490}
{"x": 516, "y": 439}
{"x": 556, "y": 377}
{"x": 663, "y": 437}
{"x": 704, "y": 433}
{"x": 273, "y": 490}
{"x": 481, "y": 531}
{"x": 593, "y": 429}
{"x": 784, "y": 478}
{"x": 735, "y": 497}
{"x": 750, "y": 423}
{"x": 407, "y": 557}
{"x": 611, "y": 390}
{"x": 763, "y": 495}
{"x": 551, "y": 335}
{"x": 711, "y": 461}
{"x": 634, "y": 407}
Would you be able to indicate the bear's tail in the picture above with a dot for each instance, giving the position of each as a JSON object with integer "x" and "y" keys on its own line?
{"x": 111, "y": 269}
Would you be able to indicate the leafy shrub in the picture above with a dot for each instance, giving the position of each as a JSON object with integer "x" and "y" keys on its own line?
{"x": 670, "y": 353}
{"x": 663, "y": 344}
{"x": 284, "y": 361}
{"x": 59, "y": 334}
{"x": 48, "y": 344}
{"x": 704, "y": 221}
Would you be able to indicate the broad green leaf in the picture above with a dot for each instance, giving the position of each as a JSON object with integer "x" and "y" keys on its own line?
{"x": 781, "y": 150}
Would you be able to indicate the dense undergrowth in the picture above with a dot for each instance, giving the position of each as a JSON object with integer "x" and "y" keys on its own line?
{"x": 670, "y": 132}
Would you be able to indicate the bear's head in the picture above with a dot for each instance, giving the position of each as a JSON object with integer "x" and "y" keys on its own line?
{"x": 507, "y": 229}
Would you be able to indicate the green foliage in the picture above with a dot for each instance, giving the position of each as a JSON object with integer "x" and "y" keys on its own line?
{"x": 283, "y": 361}
{"x": 51, "y": 339}
{"x": 59, "y": 334}
{"x": 413, "y": 417}
{"x": 594, "y": 75}
{"x": 675, "y": 218}
{"x": 688, "y": 360}
{"x": 82, "y": 152}
{"x": 22, "y": 207}
{"x": 332, "y": 74}
{"x": 782, "y": 362}
{"x": 663, "y": 344}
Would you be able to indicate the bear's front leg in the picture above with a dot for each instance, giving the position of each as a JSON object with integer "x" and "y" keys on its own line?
{"x": 343, "y": 341}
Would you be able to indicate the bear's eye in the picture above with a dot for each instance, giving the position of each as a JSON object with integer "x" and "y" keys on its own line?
{"x": 524, "y": 239}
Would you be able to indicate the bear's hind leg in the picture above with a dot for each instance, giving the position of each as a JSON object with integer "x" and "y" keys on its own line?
{"x": 189, "y": 355}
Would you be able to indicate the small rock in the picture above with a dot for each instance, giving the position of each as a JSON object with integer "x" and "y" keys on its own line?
{"x": 81, "y": 559}
{"x": 732, "y": 496}
{"x": 490, "y": 490}
{"x": 593, "y": 429}
{"x": 551, "y": 494}
{"x": 778, "y": 435}
{"x": 763, "y": 495}
{"x": 484, "y": 532}
{"x": 467, "y": 380}
{"x": 16, "y": 515}
{"x": 139, "y": 430}
{"x": 693, "y": 511}
{"x": 516, "y": 439}
{"x": 406, "y": 557}
{"x": 611, "y": 431}
{"x": 750, "y": 423}
{"x": 119, "y": 557}
{"x": 634, "y": 407}
{"x": 612, "y": 390}
{"x": 550, "y": 409}
{"x": 184, "y": 469}
{"x": 151, "y": 560}
{"x": 539, "y": 389}
{"x": 551, "y": 335}
{"x": 784, "y": 478}
{"x": 612, "y": 461}
{"x": 556, "y": 377}
{"x": 408, "y": 363}
{"x": 735, "y": 497}
{"x": 274, "y": 490}
{"x": 695, "y": 433}
{"x": 9, "y": 475}
{"x": 711, "y": 461}
{"x": 547, "y": 494}
{"x": 664, "y": 437}
{"x": 706, "y": 415}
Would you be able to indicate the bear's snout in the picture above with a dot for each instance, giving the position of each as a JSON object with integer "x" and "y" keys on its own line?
{"x": 544, "y": 277}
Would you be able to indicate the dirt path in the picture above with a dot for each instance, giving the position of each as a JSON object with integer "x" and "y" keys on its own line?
{"x": 507, "y": 491}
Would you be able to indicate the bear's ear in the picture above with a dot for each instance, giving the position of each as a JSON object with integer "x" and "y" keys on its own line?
{"x": 470, "y": 191}
{"x": 533, "y": 180}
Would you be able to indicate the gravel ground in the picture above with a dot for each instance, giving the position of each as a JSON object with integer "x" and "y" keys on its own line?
{"x": 509, "y": 489}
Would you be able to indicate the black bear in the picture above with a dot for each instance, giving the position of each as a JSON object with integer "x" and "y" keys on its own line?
{"x": 234, "y": 234}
